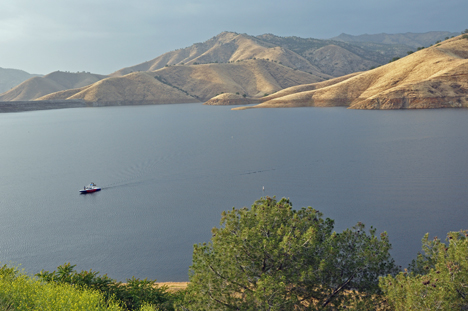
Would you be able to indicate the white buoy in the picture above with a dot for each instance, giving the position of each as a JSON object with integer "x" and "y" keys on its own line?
{"x": 263, "y": 189}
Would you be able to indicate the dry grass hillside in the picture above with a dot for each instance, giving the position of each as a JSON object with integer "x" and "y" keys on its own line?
{"x": 9, "y": 78}
{"x": 255, "y": 78}
{"x": 338, "y": 61}
{"x": 56, "y": 81}
{"x": 230, "y": 99}
{"x": 434, "y": 77}
{"x": 227, "y": 47}
{"x": 135, "y": 88}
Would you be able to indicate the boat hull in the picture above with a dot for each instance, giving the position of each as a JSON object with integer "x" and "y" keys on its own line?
{"x": 90, "y": 190}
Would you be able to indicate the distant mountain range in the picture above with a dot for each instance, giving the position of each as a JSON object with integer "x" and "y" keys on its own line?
{"x": 410, "y": 39}
{"x": 239, "y": 64}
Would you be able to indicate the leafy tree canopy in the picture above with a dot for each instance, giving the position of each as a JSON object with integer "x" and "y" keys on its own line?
{"x": 271, "y": 257}
{"x": 437, "y": 280}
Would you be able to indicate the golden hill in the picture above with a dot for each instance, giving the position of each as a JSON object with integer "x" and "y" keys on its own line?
{"x": 338, "y": 61}
{"x": 255, "y": 78}
{"x": 56, "y": 81}
{"x": 9, "y": 78}
{"x": 434, "y": 77}
{"x": 227, "y": 47}
{"x": 230, "y": 99}
{"x": 133, "y": 89}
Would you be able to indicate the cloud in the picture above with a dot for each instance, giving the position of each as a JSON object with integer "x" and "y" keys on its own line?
{"x": 139, "y": 30}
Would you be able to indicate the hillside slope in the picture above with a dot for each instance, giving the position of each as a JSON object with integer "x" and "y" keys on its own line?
{"x": 323, "y": 58}
{"x": 10, "y": 78}
{"x": 56, "y": 81}
{"x": 255, "y": 78}
{"x": 227, "y": 47}
{"x": 133, "y": 89}
{"x": 435, "y": 77}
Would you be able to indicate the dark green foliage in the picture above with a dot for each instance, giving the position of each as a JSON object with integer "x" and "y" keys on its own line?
{"x": 271, "y": 257}
{"x": 394, "y": 59}
{"x": 437, "y": 280}
{"x": 244, "y": 95}
{"x": 133, "y": 294}
{"x": 410, "y": 52}
{"x": 465, "y": 36}
{"x": 465, "y": 31}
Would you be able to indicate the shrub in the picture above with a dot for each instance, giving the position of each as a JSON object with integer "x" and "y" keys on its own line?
{"x": 133, "y": 294}
{"x": 19, "y": 291}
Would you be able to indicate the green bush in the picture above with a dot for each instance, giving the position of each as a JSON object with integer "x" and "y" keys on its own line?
{"x": 134, "y": 294}
{"x": 436, "y": 280}
{"x": 19, "y": 291}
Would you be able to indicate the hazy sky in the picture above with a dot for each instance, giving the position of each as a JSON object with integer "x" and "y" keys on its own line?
{"x": 102, "y": 36}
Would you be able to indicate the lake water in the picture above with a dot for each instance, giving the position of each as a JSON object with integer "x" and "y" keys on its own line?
{"x": 169, "y": 171}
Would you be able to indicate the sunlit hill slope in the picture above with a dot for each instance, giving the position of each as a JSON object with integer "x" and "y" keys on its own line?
{"x": 188, "y": 83}
{"x": 53, "y": 82}
{"x": 434, "y": 77}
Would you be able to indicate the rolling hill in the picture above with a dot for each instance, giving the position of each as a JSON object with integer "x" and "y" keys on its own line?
{"x": 434, "y": 77}
{"x": 10, "y": 78}
{"x": 56, "y": 81}
{"x": 323, "y": 58}
{"x": 190, "y": 83}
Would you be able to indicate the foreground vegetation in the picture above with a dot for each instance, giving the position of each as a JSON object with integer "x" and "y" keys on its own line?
{"x": 268, "y": 257}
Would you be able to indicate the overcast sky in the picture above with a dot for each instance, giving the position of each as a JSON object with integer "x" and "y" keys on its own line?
{"x": 102, "y": 36}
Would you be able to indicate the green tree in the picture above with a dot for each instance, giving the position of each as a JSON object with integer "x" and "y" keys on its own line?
{"x": 437, "y": 280}
{"x": 271, "y": 257}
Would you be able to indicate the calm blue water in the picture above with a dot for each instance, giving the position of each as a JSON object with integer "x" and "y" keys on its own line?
{"x": 169, "y": 171}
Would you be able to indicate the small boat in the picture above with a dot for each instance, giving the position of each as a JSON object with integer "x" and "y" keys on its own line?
{"x": 90, "y": 188}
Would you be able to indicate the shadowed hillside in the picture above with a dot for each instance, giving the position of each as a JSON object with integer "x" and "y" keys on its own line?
{"x": 53, "y": 82}
{"x": 435, "y": 77}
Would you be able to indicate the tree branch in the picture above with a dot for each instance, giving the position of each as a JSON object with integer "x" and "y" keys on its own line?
{"x": 338, "y": 289}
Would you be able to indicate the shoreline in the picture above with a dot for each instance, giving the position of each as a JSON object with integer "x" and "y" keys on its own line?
{"x": 35, "y": 105}
{"x": 21, "y": 106}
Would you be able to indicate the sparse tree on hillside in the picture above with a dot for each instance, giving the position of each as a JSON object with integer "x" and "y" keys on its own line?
{"x": 271, "y": 257}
